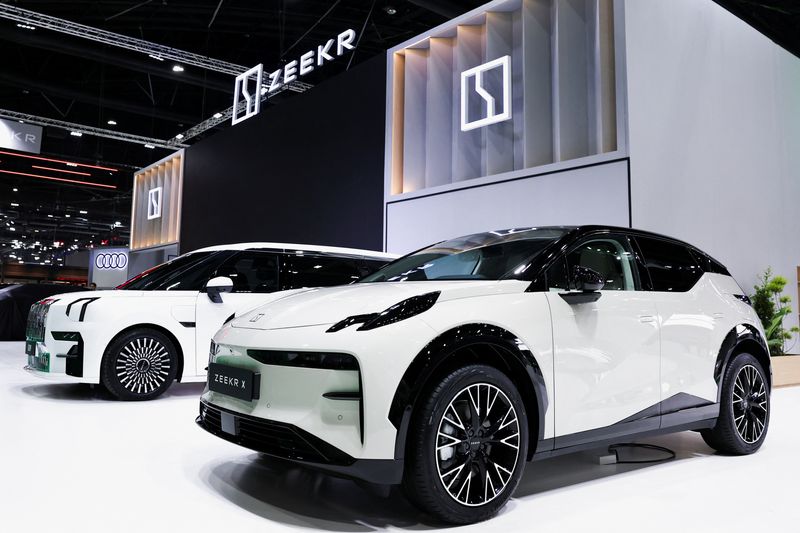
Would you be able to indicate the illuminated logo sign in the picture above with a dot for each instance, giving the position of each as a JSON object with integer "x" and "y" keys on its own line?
{"x": 250, "y": 86}
{"x": 154, "y": 203}
{"x": 115, "y": 261}
{"x": 22, "y": 137}
{"x": 247, "y": 94}
{"x": 487, "y": 82}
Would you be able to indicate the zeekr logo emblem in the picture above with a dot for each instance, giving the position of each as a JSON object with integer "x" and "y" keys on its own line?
{"x": 247, "y": 94}
{"x": 488, "y": 81}
{"x": 154, "y": 203}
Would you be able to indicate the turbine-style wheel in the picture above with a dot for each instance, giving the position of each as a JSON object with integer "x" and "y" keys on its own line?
{"x": 744, "y": 410}
{"x": 140, "y": 365}
{"x": 468, "y": 446}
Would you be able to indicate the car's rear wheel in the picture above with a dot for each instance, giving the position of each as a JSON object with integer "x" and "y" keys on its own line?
{"x": 744, "y": 408}
{"x": 468, "y": 446}
{"x": 139, "y": 365}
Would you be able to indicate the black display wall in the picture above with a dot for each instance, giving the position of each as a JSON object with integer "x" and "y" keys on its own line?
{"x": 309, "y": 170}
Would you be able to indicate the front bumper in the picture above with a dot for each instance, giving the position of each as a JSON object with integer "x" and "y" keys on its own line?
{"x": 289, "y": 442}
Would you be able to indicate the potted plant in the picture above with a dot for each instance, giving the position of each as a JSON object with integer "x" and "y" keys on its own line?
{"x": 772, "y": 306}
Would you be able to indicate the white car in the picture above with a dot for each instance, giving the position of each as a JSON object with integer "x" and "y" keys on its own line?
{"x": 156, "y": 327}
{"x": 451, "y": 367}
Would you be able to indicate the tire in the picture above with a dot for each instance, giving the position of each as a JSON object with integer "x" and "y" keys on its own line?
{"x": 494, "y": 448}
{"x": 744, "y": 408}
{"x": 139, "y": 365}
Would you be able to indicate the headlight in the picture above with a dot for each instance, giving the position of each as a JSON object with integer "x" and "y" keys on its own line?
{"x": 399, "y": 311}
{"x": 213, "y": 351}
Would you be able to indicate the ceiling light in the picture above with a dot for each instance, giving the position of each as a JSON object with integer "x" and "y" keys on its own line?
{"x": 155, "y": 57}
{"x": 49, "y": 216}
{"x": 390, "y": 10}
{"x": 76, "y": 134}
{"x": 25, "y": 26}
{"x": 112, "y": 122}
{"x": 82, "y": 212}
{"x": 15, "y": 189}
{"x": 67, "y": 216}
{"x": 14, "y": 205}
{"x": 149, "y": 146}
{"x": 217, "y": 115}
{"x": 21, "y": 121}
{"x": 177, "y": 68}
{"x": 12, "y": 229}
{"x": 179, "y": 136}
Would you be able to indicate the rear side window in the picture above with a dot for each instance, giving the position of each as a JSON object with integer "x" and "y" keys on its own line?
{"x": 709, "y": 264}
{"x": 672, "y": 266}
{"x": 299, "y": 271}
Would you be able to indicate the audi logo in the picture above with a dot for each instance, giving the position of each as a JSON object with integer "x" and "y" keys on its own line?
{"x": 112, "y": 260}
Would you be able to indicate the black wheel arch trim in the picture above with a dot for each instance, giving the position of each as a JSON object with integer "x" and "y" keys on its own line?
{"x": 457, "y": 340}
{"x": 742, "y": 338}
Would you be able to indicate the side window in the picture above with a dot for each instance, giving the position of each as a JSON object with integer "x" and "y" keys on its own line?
{"x": 251, "y": 271}
{"x": 671, "y": 265}
{"x": 318, "y": 271}
{"x": 709, "y": 264}
{"x": 557, "y": 279}
{"x": 611, "y": 257}
{"x": 369, "y": 266}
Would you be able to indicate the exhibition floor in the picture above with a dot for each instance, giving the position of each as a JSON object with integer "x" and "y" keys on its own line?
{"x": 73, "y": 460}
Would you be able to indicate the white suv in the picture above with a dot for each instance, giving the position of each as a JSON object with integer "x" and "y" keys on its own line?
{"x": 156, "y": 327}
{"x": 451, "y": 367}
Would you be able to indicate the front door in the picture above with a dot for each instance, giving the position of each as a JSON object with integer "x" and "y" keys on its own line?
{"x": 606, "y": 352}
{"x": 254, "y": 275}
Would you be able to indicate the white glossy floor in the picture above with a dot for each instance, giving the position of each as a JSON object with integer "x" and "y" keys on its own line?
{"x": 72, "y": 460}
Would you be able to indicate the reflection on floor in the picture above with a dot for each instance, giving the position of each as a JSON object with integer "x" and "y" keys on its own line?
{"x": 72, "y": 459}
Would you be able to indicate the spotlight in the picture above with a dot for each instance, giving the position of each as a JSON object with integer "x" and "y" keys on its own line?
{"x": 177, "y": 68}
{"x": 179, "y": 136}
{"x": 390, "y": 10}
{"x": 217, "y": 115}
{"x": 76, "y": 134}
{"x": 112, "y": 122}
{"x": 148, "y": 145}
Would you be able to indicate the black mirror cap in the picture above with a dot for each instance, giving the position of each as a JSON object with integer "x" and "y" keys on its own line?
{"x": 586, "y": 279}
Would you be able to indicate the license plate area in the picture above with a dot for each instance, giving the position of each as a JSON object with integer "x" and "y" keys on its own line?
{"x": 232, "y": 381}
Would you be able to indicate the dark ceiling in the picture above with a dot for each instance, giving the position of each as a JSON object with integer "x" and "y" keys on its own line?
{"x": 54, "y": 75}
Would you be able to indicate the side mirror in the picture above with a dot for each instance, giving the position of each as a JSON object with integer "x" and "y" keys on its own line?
{"x": 588, "y": 283}
{"x": 216, "y": 287}
{"x": 586, "y": 279}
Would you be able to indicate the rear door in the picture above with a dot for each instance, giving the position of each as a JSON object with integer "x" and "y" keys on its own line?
{"x": 606, "y": 352}
{"x": 692, "y": 319}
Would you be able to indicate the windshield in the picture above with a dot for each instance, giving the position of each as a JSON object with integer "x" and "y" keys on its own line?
{"x": 187, "y": 272}
{"x": 489, "y": 256}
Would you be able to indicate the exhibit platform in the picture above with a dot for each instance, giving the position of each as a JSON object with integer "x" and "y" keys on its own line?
{"x": 74, "y": 460}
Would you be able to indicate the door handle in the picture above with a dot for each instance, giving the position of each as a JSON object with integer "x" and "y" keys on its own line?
{"x": 644, "y": 319}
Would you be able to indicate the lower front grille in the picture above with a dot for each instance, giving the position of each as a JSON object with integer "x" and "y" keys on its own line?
{"x": 273, "y": 438}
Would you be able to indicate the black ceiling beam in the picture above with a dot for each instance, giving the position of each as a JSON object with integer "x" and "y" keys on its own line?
{"x": 36, "y": 85}
{"x": 54, "y": 43}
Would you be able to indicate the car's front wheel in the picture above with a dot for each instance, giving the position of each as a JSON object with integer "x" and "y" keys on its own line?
{"x": 468, "y": 445}
{"x": 139, "y": 365}
{"x": 744, "y": 408}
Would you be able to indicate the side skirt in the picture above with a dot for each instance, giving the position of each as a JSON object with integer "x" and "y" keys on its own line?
{"x": 685, "y": 420}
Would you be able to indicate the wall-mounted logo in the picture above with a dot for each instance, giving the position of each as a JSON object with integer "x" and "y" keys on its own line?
{"x": 115, "y": 261}
{"x": 22, "y": 137}
{"x": 250, "y": 86}
{"x": 154, "y": 203}
{"x": 247, "y": 94}
{"x": 488, "y": 82}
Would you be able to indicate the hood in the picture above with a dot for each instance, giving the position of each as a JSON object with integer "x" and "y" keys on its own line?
{"x": 69, "y": 297}
{"x": 330, "y": 305}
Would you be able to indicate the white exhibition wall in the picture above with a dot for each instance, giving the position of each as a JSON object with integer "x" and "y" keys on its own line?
{"x": 589, "y": 195}
{"x": 714, "y": 136}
